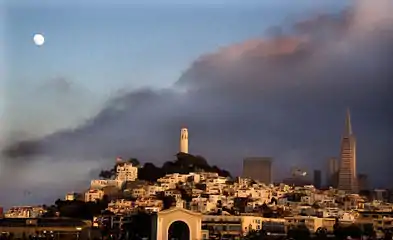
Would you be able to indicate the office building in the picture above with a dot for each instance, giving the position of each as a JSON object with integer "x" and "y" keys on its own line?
{"x": 332, "y": 173}
{"x": 347, "y": 177}
{"x": 317, "y": 179}
{"x": 363, "y": 182}
{"x": 258, "y": 168}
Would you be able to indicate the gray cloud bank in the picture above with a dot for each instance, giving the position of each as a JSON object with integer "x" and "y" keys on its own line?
{"x": 283, "y": 96}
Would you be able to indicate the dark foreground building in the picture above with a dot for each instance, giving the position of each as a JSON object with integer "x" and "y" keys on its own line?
{"x": 50, "y": 228}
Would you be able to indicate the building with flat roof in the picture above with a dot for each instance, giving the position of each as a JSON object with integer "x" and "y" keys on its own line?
{"x": 317, "y": 179}
{"x": 258, "y": 168}
{"x": 332, "y": 173}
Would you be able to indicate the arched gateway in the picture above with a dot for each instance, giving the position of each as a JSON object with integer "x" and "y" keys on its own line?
{"x": 179, "y": 230}
{"x": 177, "y": 223}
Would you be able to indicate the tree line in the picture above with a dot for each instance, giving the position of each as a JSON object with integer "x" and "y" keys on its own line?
{"x": 183, "y": 164}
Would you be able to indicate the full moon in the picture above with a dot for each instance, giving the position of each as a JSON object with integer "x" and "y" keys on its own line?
{"x": 38, "y": 39}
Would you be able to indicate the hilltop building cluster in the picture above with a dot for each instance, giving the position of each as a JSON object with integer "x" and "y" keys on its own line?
{"x": 235, "y": 206}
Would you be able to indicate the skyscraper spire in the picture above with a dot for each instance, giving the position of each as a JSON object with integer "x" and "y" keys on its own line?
{"x": 347, "y": 179}
{"x": 348, "y": 125}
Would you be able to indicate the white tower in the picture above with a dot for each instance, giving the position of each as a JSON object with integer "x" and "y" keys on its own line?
{"x": 184, "y": 140}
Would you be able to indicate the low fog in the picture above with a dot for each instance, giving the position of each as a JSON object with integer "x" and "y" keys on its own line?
{"x": 283, "y": 96}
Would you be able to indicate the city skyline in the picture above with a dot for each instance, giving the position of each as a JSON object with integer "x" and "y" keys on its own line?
{"x": 263, "y": 80}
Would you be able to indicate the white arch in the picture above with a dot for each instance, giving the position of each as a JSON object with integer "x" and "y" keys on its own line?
{"x": 167, "y": 217}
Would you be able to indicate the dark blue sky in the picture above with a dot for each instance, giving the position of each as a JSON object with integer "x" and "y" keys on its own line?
{"x": 102, "y": 47}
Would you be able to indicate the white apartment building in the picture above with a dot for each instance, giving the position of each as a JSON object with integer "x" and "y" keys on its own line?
{"x": 244, "y": 182}
{"x": 152, "y": 190}
{"x": 152, "y": 209}
{"x": 208, "y": 175}
{"x": 282, "y": 201}
{"x": 307, "y": 200}
{"x": 180, "y": 203}
{"x": 174, "y": 193}
{"x": 173, "y": 178}
{"x": 216, "y": 198}
{"x": 331, "y": 212}
{"x": 348, "y": 217}
{"x": 318, "y": 197}
{"x": 312, "y": 223}
{"x": 217, "y": 180}
{"x": 279, "y": 194}
{"x": 213, "y": 189}
{"x": 120, "y": 203}
{"x": 120, "y": 206}
{"x": 203, "y": 205}
{"x": 194, "y": 177}
{"x": 93, "y": 195}
{"x": 139, "y": 192}
{"x": 125, "y": 172}
{"x": 101, "y": 183}
{"x": 196, "y": 192}
{"x": 250, "y": 223}
{"x": 166, "y": 186}
{"x": 24, "y": 212}
{"x": 149, "y": 202}
{"x": 71, "y": 196}
{"x": 244, "y": 192}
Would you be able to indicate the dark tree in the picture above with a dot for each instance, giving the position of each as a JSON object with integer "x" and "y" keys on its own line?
{"x": 338, "y": 230}
{"x": 149, "y": 172}
{"x": 219, "y": 204}
{"x": 353, "y": 231}
{"x": 200, "y": 186}
{"x": 185, "y": 195}
{"x": 167, "y": 201}
{"x": 107, "y": 174}
{"x": 300, "y": 232}
{"x": 139, "y": 227}
{"x": 256, "y": 235}
{"x": 184, "y": 163}
{"x": 240, "y": 204}
{"x": 274, "y": 200}
{"x": 80, "y": 209}
{"x": 315, "y": 206}
{"x": 266, "y": 211}
{"x": 368, "y": 230}
{"x": 135, "y": 162}
{"x": 50, "y": 211}
{"x": 388, "y": 234}
{"x": 321, "y": 233}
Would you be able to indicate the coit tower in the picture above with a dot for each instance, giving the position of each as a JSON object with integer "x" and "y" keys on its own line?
{"x": 184, "y": 140}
